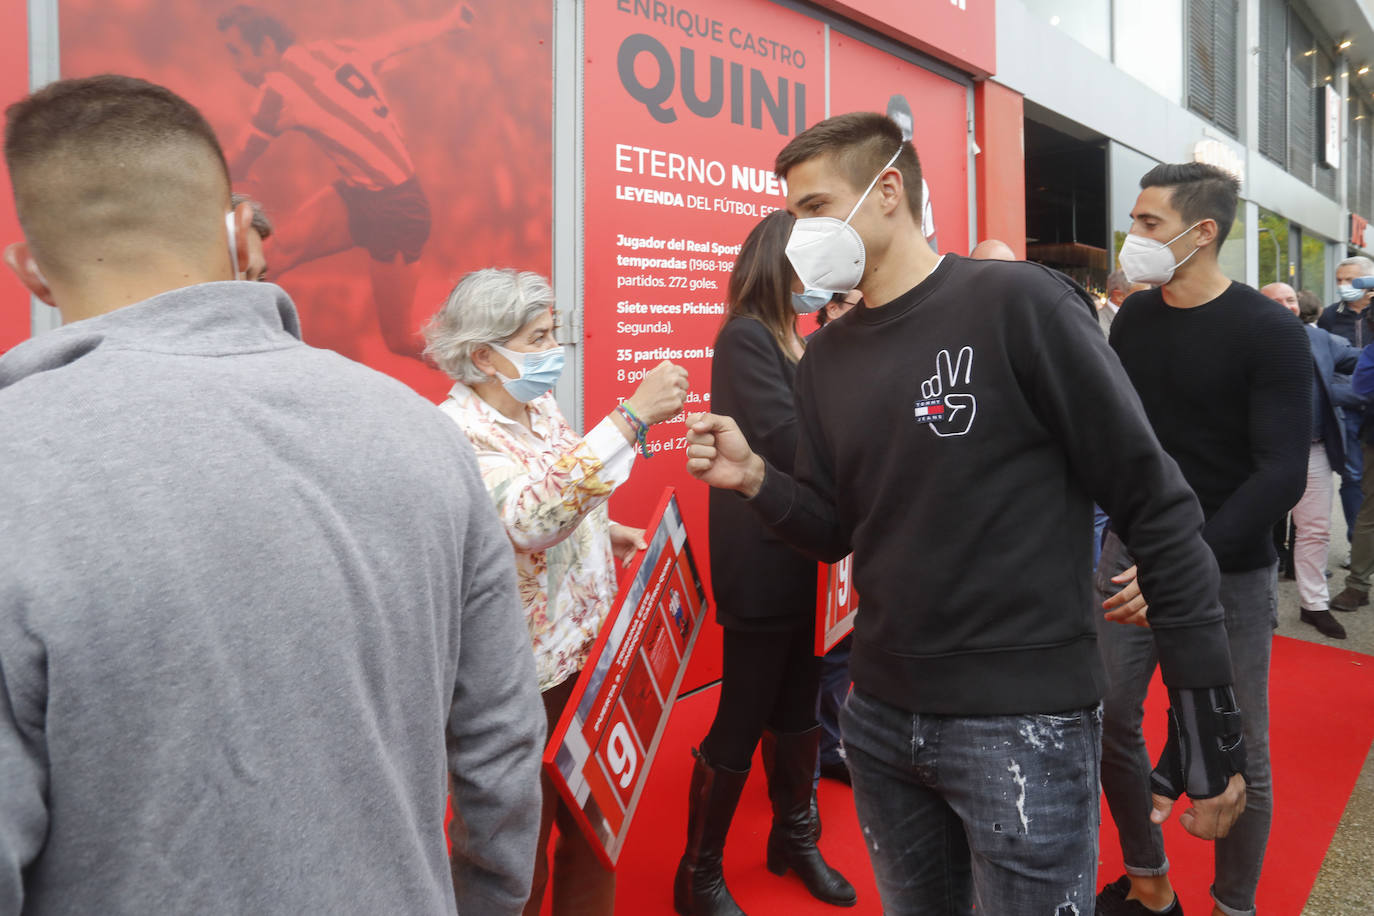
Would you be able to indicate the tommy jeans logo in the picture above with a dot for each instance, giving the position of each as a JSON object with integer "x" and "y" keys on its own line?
{"x": 948, "y": 410}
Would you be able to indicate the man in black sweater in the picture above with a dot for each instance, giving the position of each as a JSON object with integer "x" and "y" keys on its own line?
{"x": 930, "y": 433}
{"x": 1225, "y": 375}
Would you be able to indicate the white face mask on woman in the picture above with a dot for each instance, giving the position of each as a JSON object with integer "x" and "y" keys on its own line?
{"x": 827, "y": 253}
{"x": 1148, "y": 261}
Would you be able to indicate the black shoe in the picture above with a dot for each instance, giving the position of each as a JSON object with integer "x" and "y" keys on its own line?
{"x": 1111, "y": 901}
{"x": 1324, "y": 622}
{"x": 836, "y": 770}
{"x": 792, "y": 840}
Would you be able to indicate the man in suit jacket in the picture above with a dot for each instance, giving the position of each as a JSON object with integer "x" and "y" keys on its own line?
{"x": 1312, "y": 514}
{"x": 1118, "y": 288}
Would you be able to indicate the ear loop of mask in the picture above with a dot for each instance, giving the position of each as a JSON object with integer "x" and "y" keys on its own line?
{"x": 233, "y": 244}
{"x": 1181, "y": 235}
{"x": 868, "y": 189}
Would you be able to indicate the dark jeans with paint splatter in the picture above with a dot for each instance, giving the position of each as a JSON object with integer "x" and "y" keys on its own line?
{"x": 998, "y": 811}
{"x": 1250, "y": 601}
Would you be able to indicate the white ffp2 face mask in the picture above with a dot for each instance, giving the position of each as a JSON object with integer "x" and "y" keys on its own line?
{"x": 827, "y": 253}
{"x": 1148, "y": 261}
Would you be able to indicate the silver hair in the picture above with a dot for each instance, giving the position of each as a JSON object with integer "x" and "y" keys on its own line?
{"x": 260, "y": 221}
{"x": 1116, "y": 281}
{"x": 1360, "y": 261}
{"x": 486, "y": 307}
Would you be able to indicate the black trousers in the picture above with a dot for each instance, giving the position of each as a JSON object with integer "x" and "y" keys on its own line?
{"x": 770, "y": 680}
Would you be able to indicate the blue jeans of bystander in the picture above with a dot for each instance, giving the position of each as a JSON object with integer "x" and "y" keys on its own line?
{"x": 1000, "y": 811}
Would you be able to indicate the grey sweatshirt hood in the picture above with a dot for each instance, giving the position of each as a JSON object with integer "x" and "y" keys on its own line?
{"x": 209, "y": 319}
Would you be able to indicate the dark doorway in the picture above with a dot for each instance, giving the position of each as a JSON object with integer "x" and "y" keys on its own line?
{"x": 1066, "y": 197}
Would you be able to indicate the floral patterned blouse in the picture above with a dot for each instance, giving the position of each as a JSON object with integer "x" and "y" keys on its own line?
{"x": 550, "y": 487}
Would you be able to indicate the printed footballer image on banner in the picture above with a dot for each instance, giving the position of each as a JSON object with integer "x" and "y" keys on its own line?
{"x": 932, "y": 112}
{"x": 395, "y": 144}
{"x": 837, "y": 603}
{"x": 600, "y": 752}
{"x": 688, "y": 105}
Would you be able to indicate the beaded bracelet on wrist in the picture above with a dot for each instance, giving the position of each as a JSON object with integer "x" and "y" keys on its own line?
{"x": 638, "y": 426}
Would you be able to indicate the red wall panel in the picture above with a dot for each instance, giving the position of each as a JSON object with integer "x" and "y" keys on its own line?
{"x": 999, "y": 126}
{"x": 14, "y": 83}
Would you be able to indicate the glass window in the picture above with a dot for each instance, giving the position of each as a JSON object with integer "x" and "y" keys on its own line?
{"x": 1212, "y": 87}
{"x": 1314, "y": 265}
{"x": 1125, "y": 168}
{"x": 1231, "y": 258}
{"x": 1147, "y": 43}
{"x": 1273, "y": 248}
{"x": 1087, "y": 21}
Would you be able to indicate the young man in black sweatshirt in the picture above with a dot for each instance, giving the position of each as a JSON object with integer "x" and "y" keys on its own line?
{"x": 1225, "y": 375}
{"x": 973, "y": 410}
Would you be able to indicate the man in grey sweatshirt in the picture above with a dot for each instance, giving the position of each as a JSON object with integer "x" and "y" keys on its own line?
{"x": 254, "y": 601}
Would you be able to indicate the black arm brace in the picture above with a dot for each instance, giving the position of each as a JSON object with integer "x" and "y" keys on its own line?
{"x": 1205, "y": 746}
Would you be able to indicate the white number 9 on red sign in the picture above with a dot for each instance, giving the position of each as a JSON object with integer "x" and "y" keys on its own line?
{"x": 620, "y": 754}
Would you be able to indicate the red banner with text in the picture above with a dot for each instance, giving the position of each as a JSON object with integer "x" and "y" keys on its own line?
{"x": 687, "y": 106}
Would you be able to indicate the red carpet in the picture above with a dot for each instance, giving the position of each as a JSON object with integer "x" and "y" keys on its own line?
{"x": 1322, "y": 723}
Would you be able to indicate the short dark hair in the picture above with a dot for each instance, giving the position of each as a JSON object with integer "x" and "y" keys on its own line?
{"x": 256, "y": 24}
{"x": 861, "y": 142}
{"x": 109, "y": 157}
{"x": 1309, "y": 306}
{"x": 98, "y": 113}
{"x": 1198, "y": 191}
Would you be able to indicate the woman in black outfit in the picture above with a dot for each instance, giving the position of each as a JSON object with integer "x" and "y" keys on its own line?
{"x": 766, "y": 601}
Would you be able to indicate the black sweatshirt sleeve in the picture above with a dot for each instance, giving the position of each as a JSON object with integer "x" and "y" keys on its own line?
{"x": 801, "y": 510}
{"x": 1081, "y": 393}
{"x": 1280, "y": 420}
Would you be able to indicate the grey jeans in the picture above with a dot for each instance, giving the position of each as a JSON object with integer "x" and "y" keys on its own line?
{"x": 1250, "y": 600}
{"x": 1000, "y": 811}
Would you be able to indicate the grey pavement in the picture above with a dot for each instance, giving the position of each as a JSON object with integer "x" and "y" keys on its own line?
{"x": 1345, "y": 884}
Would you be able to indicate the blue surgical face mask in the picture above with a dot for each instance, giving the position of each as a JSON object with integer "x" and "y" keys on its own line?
{"x": 812, "y": 300}
{"x": 539, "y": 372}
{"x": 1349, "y": 293}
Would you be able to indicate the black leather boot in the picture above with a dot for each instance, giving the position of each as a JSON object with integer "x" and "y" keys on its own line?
{"x": 791, "y": 842}
{"x": 699, "y": 888}
{"x": 767, "y": 749}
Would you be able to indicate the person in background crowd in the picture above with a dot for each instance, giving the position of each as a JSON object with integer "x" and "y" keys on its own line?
{"x": 839, "y": 304}
{"x": 765, "y": 599}
{"x": 1350, "y": 318}
{"x": 1309, "y": 307}
{"x": 835, "y": 663}
{"x": 1225, "y": 376}
{"x": 898, "y": 462}
{"x": 1312, "y": 514}
{"x": 992, "y": 250}
{"x": 259, "y": 231}
{"x": 495, "y": 337}
{"x": 1118, "y": 288}
{"x": 254, "y": 601}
